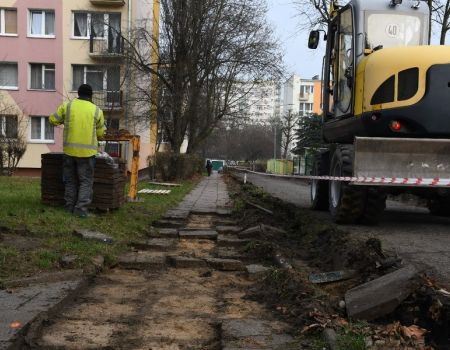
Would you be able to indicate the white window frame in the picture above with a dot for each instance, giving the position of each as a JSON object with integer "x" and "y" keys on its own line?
{"x": 7, "y": 87}
{"x": 46, "y": 36}
{"x": 3, "y": 24}
{"x": 42, "y": 139}
{"x": 88, "y": 23}
{"x": 43, "y": 68}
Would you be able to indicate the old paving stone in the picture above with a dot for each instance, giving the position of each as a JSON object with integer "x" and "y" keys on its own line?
{"x": 157, "y": 244}
{"x": 198, "y": 234}
{"x": 164, "y": 233}
{"x": 185, "y": 262}
{"x": 255, "y": 271}
{"x": 142, "y": 260}
{"x": 168, "y": 223}
{"x": 254, "y": 334}
{"x": 224, "y": 211}
{"x": 229, "y": 253}
{"x": 231, "y": 241}
{"x": 226, "y": 264}
{"x": 224, "y": 229}
{"x": 93, "y": 235}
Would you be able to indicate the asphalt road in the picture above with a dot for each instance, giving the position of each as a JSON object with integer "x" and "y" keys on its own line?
{"x": 411, "y": 231}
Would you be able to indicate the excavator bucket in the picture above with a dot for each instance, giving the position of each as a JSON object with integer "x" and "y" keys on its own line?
{"x": 402, "y": 158}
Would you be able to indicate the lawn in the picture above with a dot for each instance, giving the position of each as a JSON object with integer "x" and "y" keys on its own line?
{"x": 34, "y": 237}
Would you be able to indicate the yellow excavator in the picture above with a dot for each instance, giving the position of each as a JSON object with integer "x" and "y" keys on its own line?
{"x": 386, "y": 110}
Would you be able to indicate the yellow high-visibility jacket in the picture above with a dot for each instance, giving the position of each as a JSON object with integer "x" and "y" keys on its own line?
{"x": 83, "y": 123}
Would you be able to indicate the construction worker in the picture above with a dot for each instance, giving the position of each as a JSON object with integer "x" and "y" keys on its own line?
{"x": 83, "y": 123}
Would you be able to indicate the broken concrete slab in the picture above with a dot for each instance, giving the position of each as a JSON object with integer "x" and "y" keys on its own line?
{"x": 93, "y": 235}
{"x": 255, "y": 271}
{"x": 20, "y": 306}
{"x": 198, "y": 234}
{"x": 156, "y": 244}
{"x": 251, "y": 232}
{"x": 267, "y": 229}
{"x": 142, "y": 260}
{"x": 184, "y": 262}
{"x": 177, "y": 214}
{"x": 231, "y": 241}
{"x": 225, "y": 264}
{"x": 224, "y": 229}
{"x": 381, "y": 296}
{"x": 333, "y": 276}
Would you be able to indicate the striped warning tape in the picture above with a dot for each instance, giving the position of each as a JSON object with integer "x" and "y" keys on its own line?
{"x": 402, "y": 181}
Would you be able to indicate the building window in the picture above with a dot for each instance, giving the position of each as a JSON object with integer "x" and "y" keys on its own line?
{"x": 97, "y": 25}
{"x": 92, "y": 75}
{"x": 8, "y": 75}
{"x": 42, "y": 23}
{"x": 41, "y": 130}
{"x": 42, "y": 76}
{"x": 97, "y": 77}
{"x": 9, "y": 126}
{"x": 8, "y": 22}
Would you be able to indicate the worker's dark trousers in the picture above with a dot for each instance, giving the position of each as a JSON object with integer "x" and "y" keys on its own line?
{"x": 79, "y": 179}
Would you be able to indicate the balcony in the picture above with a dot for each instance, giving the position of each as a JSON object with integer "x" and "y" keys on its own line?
{"x": 110, "y": 3}
{"x": 106, "y": 48}
{"x": 108, "y": 100}
{"x": 304, "y": 97}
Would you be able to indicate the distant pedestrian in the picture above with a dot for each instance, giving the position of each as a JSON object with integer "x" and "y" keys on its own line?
{"x": 83, "y": 122}
{"x": 208, "y": 167}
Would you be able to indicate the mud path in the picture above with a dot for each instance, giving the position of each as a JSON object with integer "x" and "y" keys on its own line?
{"x": 186, "y": 302}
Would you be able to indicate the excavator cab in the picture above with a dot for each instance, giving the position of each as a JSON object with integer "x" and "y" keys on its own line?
{"x": 386, "y": 107}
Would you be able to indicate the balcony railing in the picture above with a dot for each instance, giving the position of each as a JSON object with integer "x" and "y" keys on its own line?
{"x": 304, "y": 96}
{"x": 108, "y": 2}
{"x": 108, "y": 100}
{"x": 111, "y": 48}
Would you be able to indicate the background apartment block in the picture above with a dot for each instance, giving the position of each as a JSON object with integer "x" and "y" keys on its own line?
{"x": 49, "y": 48}
{"x": 302, "y": 96}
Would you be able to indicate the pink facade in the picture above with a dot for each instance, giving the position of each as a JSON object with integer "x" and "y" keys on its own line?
{"x": 24, "y": 50}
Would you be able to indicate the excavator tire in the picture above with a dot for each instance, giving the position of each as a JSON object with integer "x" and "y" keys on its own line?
{"x": 319, "y": 188}
{"x": 346, "y": 203}
{"x": 374, "y": 207}
{"x": 439, "y": 206}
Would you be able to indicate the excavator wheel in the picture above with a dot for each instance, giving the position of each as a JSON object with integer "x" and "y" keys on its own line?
{"x": 319, "y": 188}
{"x": 374, "y": 207}
{"x": 346, "y": 203}
{"x": 439, "y": 206}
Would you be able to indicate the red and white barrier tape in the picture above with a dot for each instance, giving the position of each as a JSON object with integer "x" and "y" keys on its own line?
{"x": 411, "y": 181}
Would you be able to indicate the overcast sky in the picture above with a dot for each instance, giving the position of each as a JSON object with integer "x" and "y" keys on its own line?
{"x": 298, "y": 58}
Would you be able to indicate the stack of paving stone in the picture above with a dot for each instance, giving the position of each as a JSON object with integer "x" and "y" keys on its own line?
{"x": 109, "y": 182}
{"x": 109, "y": 185}
{"x": 52, "y": 186}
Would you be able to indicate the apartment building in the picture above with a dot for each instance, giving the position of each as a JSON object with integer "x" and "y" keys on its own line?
{"x": 302, "y": 95}
{"x": 258, "y": 102}
{"x": 49, "y": 48}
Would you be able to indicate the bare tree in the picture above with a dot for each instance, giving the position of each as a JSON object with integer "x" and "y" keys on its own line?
{"x": 12, "y": 137}
{"x": 441, "y": 11}
{"x": 288, "y": 123}
{"x": 313, "y": 14}
{"x": 206, "y": 47}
